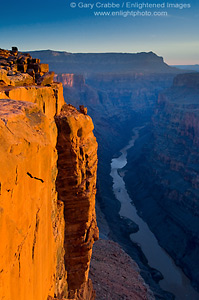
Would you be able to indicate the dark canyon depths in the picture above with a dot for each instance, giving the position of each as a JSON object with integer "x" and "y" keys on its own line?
{"x": 121, "y": 92}
{"x": 166, "y": 173}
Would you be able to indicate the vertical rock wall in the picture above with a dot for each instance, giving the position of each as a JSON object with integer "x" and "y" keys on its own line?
{"x": 164, "y": 178}
{"x": 27, "y": 181}
{"x": 46, "y": 237}
{"x": 70, "y": 80}
{"x": 77, "y": 166}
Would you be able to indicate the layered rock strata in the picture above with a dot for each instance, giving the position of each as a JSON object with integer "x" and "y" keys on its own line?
{"x": 176, "y": 128}
{"x": 46, "y": 236}
{"x": 77, "y": 166}
{"x": 164, "y": 179}
{"x": 70, "y": 80}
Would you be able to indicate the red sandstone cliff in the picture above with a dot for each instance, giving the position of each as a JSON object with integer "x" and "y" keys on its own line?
{"x": 70, "y": 80}
{"x": 27, "y": 176}
{"x": 76, "y": 186}
{"x": 47, "y": 195}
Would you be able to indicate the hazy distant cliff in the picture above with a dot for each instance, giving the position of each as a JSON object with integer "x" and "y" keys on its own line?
{"x": 92, "y": 63}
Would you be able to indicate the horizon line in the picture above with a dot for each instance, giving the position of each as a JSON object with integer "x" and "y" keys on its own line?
{"x": 112, "y": 52}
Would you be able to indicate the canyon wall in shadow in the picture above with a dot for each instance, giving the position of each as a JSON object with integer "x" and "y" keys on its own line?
{"x": 163, "y": 173}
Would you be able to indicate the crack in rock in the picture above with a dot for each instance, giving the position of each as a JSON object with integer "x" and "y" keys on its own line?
{"x": 35, "y": 234}
{"x": 30, "y": 175}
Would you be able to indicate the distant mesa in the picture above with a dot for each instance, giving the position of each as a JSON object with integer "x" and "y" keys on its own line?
{"x": 194, "y": 68}
{"x": 89, "y": 63}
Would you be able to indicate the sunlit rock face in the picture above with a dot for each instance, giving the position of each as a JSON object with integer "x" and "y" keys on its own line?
{"x": 47, "y": 224}
{"x": 27, "y": 176}
{"x": 76, "y": 185}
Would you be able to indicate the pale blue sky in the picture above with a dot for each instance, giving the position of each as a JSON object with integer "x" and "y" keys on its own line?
{"x": 54, "y": 25}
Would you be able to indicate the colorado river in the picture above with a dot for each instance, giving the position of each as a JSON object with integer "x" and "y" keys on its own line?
{"x": 174, "y": 279}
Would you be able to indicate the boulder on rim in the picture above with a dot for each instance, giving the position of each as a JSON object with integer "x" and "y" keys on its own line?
{"x": 46, "y": 79}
